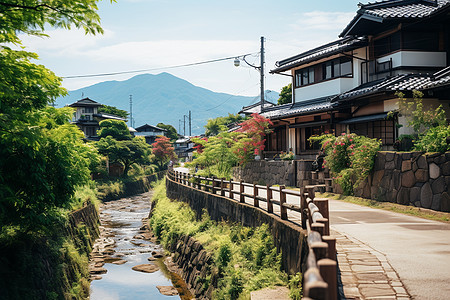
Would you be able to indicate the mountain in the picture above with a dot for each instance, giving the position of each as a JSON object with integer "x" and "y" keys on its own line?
{"x": 164, "y": 98}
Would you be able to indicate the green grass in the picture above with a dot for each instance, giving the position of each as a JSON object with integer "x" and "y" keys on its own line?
{"x": 245, "y": 258}
{"x": 398, "y": 208}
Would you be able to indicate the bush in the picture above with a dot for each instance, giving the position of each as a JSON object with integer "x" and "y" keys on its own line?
{"x": 349, "y": 157}
{"x": 434, "y": 140}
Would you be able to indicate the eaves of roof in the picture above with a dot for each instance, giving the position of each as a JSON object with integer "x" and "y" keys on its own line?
{"x": 300, "y": 108}
{"x": 333, "y": 48}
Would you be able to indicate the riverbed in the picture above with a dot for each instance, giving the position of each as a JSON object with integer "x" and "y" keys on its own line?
{"x": 126, "y": 261}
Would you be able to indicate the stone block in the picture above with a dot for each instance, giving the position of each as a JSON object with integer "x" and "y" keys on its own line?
{"x": 426, "y": 196}
{"x": 386, "y": 180}
{"x": 390, "y": 165}
{"x": 396, "y": 179}
{"x": 445, "y": 202}
{"x": 440, "y": 159}
{"x": 436, "y": 204}
{"x": 406, "y": 155}
{"x": 406, "y": 165}
{"x": 408, "y": 179}
{"x": 414, "y": 166}
{"x": 414, "y": 194}
{"x": 421, "y": 175}
{"x": 403, "y": 196}
{"x": 398, "y": 161}
{"x": 438, "y": 186}
{"x": 390, "y": 156}
{"x": 391, "y": 196}
{"x": 380, "y": 161}
{"x": 434, "y": 170}
{"x": 422, "y": 162}
{"x": 377, "y": 176}
{"x": 445, "y": 168}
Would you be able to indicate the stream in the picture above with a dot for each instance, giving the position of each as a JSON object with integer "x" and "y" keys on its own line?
{"x": 126, "y": 261}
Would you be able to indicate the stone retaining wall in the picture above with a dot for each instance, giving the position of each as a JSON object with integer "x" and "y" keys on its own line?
{"x": 289, "y": 173}
{"x": 410, "y": 178}
{"x": 195, "y": 265}
{"x": 289, "y": 238}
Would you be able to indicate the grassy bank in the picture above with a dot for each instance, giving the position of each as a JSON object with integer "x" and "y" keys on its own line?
{"x": 398, "y": 208}
{"x": 245, "y": 258}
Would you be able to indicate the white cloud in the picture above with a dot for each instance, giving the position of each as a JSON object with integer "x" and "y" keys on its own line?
{"x": 321, "y": 20}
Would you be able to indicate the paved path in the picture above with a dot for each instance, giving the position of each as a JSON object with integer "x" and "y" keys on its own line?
{"x": 418, "y": 250}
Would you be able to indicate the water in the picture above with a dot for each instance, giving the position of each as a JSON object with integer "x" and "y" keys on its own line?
{"x": 123, "y": 238}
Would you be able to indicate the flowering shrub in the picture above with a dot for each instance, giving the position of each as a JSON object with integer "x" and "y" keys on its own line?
{"x": 349, "y": 157}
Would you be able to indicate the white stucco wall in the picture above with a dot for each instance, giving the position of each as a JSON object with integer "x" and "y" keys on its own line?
{"x": 416, "y": 58}
{"x": 322, "y": 89}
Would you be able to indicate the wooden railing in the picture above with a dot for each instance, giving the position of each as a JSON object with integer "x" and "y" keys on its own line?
{"x": 320, "y": 278}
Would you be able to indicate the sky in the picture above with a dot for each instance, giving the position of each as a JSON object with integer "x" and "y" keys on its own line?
{"x": 156, "y": 34}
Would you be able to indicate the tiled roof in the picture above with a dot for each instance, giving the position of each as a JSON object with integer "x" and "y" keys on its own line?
{"x": 403, "y": 9}
{"x": 339, "y": 46}
{"x": 304, "y": 107}
{"x": 255, "y": 108}
{"x": 395, "y": 9}
{"x": 402, "y": 82}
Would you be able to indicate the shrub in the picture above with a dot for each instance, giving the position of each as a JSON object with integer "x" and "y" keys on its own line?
{"x": 349, "y": 157}
{"x": 434, "y": 140}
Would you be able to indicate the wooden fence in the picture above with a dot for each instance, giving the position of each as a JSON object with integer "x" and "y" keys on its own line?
{"x": 320, "y": 277}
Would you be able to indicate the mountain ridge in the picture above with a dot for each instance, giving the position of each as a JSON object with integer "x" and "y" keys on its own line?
{"x": 164, "y": 98}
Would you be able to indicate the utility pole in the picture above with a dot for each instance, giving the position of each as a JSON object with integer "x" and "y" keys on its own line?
{"x": 131, "y": 110}
{"x": 262, "y": 73}
{"x": 190, "y": 133}
{"x": 184, "y": 125}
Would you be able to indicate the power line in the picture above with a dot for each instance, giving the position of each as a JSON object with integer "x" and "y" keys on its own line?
{"x": 157, "y": 69}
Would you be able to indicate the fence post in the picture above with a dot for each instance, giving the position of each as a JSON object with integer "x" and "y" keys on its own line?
{"x": 255, "y": 196}
{"x": 331, "y": 242}
{"x": 241, "y": 192}
{"x": 222, "y": 191}
{"x": 283, "y": 210}
{"x": 176, "y": 176}
{"x": 328, "y": 271}
{"x": 213, "y": 185}
{"x": 231, "y": 195}
{"x": 304, "y": 209}
{"x": 322, "y": 204}
{"x": 269, "y": 199}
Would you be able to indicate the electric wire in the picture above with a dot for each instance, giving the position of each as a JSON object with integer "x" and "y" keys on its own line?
{"x": 159, "y": 68}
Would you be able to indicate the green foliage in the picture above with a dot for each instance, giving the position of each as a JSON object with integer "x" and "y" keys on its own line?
{"x": 112, "y": 110}
{"x": 434, "y": 140}
{"x": 215, "y": 126}
{"x": 246, "y": 257}
{"x": 42, "y": 160}
{"x": 116, "y": 129}
{"x": 171, "y": 131}
{"x": 126, "y": 152}
{"x": 419, "y": 118}
{"x": 295, "y": 287}
{"x": 285, "y": 95}
{"x": 287, "y": 155}
{"x": 349, "y": 157}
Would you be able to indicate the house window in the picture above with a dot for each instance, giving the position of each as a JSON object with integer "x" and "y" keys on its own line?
{"x": 88, "y": 110}
{"x": 340, "y": 67}
{"x": 383, "y": 130}
{"x": 422, "y": 41}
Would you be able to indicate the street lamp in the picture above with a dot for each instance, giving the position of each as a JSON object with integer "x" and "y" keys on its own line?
{"x": 260, "y": 69}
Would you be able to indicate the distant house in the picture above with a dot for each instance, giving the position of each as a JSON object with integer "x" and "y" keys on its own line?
{"x": 184, "y": 148}
{"x": 350, "y": 84}
{"x": 255, "y": 108}
{"x": 150, "y": 132}
{"x": 87, "y": 117}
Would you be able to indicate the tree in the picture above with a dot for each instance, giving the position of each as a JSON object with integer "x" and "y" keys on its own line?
{"x": 42, "y": 156}
{"x": 117, "y": 129}
{"x": 112, "y": 110}
{"x": 213, "y": 125}
{"x": 41, "y": 163}
{"x": 126, "y": 152}
{"x": 256, "y": 129}
{"x": 163, "y": 150}
{"x": 285, "y": 95}
{"x": 171, "y": 131}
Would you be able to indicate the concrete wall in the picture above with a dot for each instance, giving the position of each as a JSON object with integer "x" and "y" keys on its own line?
{"x": 410, "y": 178}
{"x": 289, "y": 173}
{"x": 289, "y": 238}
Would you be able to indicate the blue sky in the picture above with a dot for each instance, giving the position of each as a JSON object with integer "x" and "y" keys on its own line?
{"x": 145, "y": 34}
